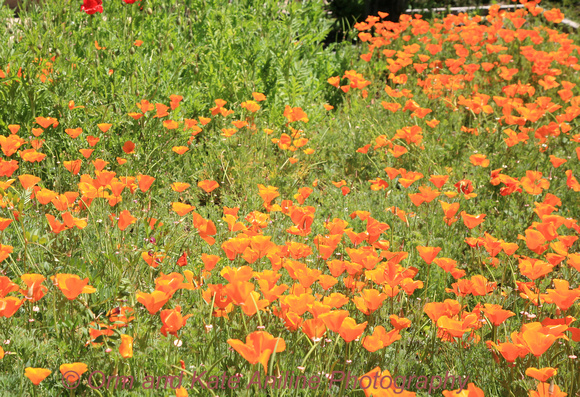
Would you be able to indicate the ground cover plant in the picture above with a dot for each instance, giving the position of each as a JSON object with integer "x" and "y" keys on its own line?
{"x": 200, "y": 198}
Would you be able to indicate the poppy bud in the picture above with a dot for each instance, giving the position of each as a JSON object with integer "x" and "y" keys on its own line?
{"x": 171, "y": 46}
{"x": 131, "y": 50}
{"x": 149, "y": 11}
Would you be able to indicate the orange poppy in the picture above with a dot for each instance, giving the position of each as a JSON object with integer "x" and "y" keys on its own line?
{"x": 496, "y": 314}
{"x": 72, "y": 372}
{"x": 46, "y": 122}
{"x": 73, "y": 167}
{"x": 542, "y": 374}
{"x": 104, "y": 127}
{"x": 479, "y": 160}
{"x": 172, "y": 321}
{"x": 35, "y": 290}
{"x": 547, "y": 390}
{"x": 349, "y": 330}
{"x": 208, "y": 186}
{"x": 86, "y": 152}
{"x": 380, "y": 339}
{"x": 27, "y": 181}
{"x": 7, "y": 286}
{"x": 72, "y": 286}
{"x": 258, "y": 348}
{"x": 182, "y": 209}
{"x": 428, "y": 254}
{"x": 125, "y": 219}
{"x": 73, "y": 132}
{"x": 145, "y": 182}
{"x": 179, "y": 186}
{"x": 36, "y": 375}
{"x": 126, "y": 346}
{"x": 472, "y": 221}
{"x": 129, "y": 147}
{"x": 180, "y": 149}
{"x": 9, "y": 306}
{"x": 153, "y": 301}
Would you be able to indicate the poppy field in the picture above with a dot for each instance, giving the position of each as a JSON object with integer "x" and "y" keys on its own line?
{"x": 209, "y": 198}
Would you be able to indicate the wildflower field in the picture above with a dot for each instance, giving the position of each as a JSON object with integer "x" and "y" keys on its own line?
{"x": 202, "y": 198}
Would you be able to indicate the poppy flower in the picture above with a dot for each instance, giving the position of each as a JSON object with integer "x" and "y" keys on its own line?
{"x": 45, "y": 196}
{"x": 181, "y": 209}
{"x": 496, "y": 314}
{"x": 380, "y": 339}
{"x": 7, "y": 286}
{"x": 208, "y": 186}
{"x": 295, "y": 114}
{"x": 479, "y": 160}
{"x": 27, "y": 181}
{"x": 86, "y": 152}
{"x": 126, "y": 346}
{"x": 179, "y": 186}
{"x": 180, "y": 149}
{"x": 73, "y": 132}
{"x": 562, "y": 295}
{"x": 36, "y": 375}
{"x": 542, "y": 374}
{"x": 73, "y": 167}
{"x": 72, "y": 372}
{"x": 153, "y": 259}
{"x": 46, "y": 122}
{"x": 172, "y": 321}
{"x": 258, "y": 348}
{"x": 428, "y": 254}
{"x": 153, "y": 301}
{"x": 129, "y": 147}
{"x": 72, "y": 286}
{"x": 534, "y": 268}
{"x": 369, "y": 301}
{"x": 9, "y": 306}
{"x": 314, "y": 328}
{"x": 349, "y": 330}
{"x": 399, "y": 323}
{"x": 14, "y": 128}
{"x": 209, "y": 261}
{"x": 556, "y": 162}
{"x": 104, "y": 127}
{"x": 145, "y": 182}
{"x": 35, "y": 290}
{"x": 472, "y": 221}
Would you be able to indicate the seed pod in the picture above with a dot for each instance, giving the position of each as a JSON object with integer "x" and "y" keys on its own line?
{"x": 171, "y": 46}
{"x": 149, "y": 11}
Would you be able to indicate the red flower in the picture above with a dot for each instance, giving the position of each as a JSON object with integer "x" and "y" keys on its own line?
{"x": 92, "y": 6}
{"x": 129, "y": 1}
